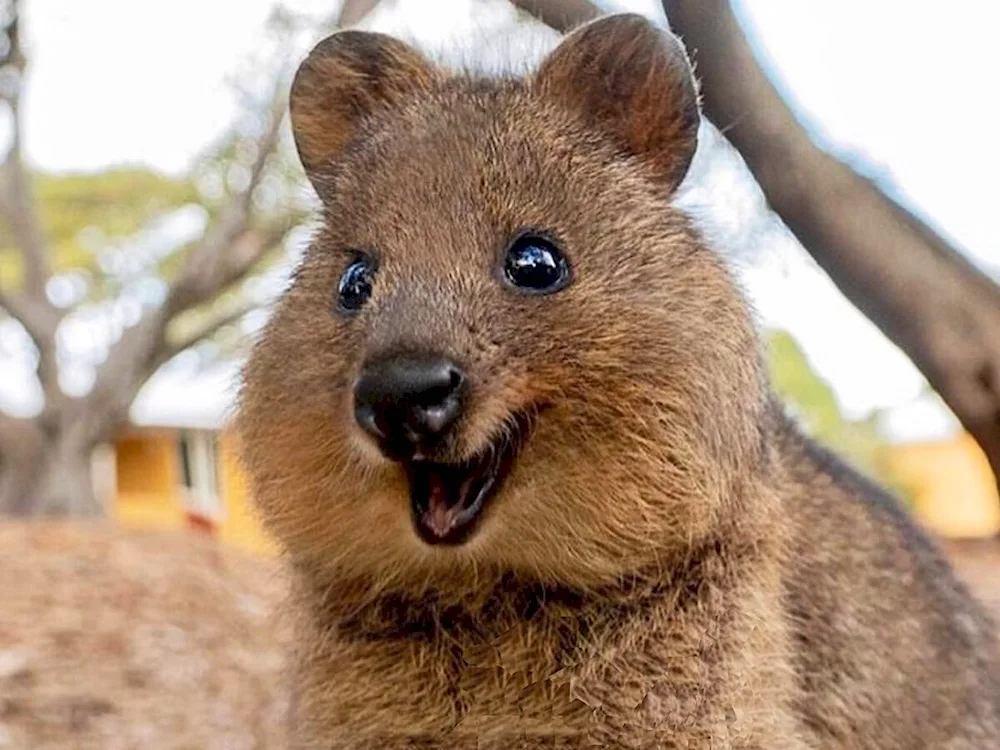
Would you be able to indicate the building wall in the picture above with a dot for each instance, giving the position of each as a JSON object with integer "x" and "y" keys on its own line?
{"x": 239, "y": 526}
{"x": 148, "y": 481}
{"x": 150, "y": 491}
{"x": 954, "y": 492}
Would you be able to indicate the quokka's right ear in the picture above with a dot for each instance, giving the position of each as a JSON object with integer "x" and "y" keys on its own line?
{"x": 347, "y": 77}
{"x": 632, "y": 81}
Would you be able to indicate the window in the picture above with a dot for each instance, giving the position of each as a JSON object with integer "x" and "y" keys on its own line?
{"x": 199, "y": 456}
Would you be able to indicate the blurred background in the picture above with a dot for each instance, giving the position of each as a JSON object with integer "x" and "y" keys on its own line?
{"x": 152, "y": 207}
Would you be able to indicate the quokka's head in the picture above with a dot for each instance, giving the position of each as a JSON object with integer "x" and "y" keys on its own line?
{"x": 505, "y": 350}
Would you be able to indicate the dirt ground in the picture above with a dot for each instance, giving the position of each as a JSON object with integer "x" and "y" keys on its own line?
{"x": 113, "y": 640}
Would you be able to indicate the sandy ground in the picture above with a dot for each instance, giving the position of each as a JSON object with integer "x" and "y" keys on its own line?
{"x": 112, "y": 640}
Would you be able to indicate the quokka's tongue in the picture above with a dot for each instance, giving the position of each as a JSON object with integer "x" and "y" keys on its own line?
{"x": 446, "y": 497}
{"x": 443, "y": 504}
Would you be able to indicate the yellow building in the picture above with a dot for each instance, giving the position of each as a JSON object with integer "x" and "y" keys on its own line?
{"x": 177, "y": 466}
{"x": 951, "y": 485}
{"x": 953, "y": 490}
{"x": 183, "y": 477}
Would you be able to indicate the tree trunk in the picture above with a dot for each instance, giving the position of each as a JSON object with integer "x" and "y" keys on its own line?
{"x": 21, "y": 446}
{"x": 921, "y": 292}
{"x": 51, "y": 476}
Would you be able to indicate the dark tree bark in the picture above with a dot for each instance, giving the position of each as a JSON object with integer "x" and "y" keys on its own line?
{"x": 561, "y": 15}
{"x": 922, "y": 293}
{"x": 353, "y": 11}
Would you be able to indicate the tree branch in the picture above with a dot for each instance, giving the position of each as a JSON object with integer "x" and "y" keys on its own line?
{"x": 222, "y": 253}
{"x": 919, "y": 290}
{"x": 230, "y": 249}
{"x": 237, "y": 254}
{"x": 144, "y": 347}
{"x": 16, "y": 194}
{"x": 18, "y": 206}
{"x": 8, "y": 425}
{"x": 170, "y": 350}
{"x": 561, "y": 15}
{"x": 39, "y": 320}
{"x": 353, "y": 12}
{"x": 227, "y": 252}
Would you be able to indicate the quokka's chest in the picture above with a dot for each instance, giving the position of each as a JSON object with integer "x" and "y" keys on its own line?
{"x": 545, "y": 684}
{"x": 516, "y": 683}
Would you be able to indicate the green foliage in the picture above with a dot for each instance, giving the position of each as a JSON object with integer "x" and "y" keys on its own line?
{"x": 82, "y": 212}
{"x": 806, "y": 394}
{"x": 95, "y": 221}
{"x": 813, "y": 402}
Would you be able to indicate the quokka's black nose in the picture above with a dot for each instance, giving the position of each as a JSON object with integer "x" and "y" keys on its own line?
{"x": 408, "y": 403}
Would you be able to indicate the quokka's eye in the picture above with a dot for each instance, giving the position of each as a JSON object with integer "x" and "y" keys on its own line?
{"x": 535, "y": 265}
{"x": 355, "y": 285}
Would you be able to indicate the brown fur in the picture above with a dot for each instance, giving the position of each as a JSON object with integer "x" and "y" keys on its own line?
{"x": 670, "y": 564}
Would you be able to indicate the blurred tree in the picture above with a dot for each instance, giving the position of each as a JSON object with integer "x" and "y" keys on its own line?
{"x": 117, "y": 202}
{"x": 941, "y": 310}
{"x": 92, "y": 246}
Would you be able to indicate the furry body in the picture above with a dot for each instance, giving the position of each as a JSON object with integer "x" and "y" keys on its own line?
{"x": 669, "y": 564}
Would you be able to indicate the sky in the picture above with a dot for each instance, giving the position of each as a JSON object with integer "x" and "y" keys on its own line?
{"x": 900, "y": 84}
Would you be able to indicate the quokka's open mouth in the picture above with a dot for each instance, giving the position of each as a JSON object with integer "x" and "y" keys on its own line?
{"x": 446, "y": 499}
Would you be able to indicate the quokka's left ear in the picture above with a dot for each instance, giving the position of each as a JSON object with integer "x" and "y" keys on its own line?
{"x": 347, "y": 77}
{"x": 632, "y": 81}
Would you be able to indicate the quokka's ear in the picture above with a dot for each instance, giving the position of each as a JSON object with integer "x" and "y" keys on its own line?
{"x": 347, "y": 77}
{"x": 632, "y": 81}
